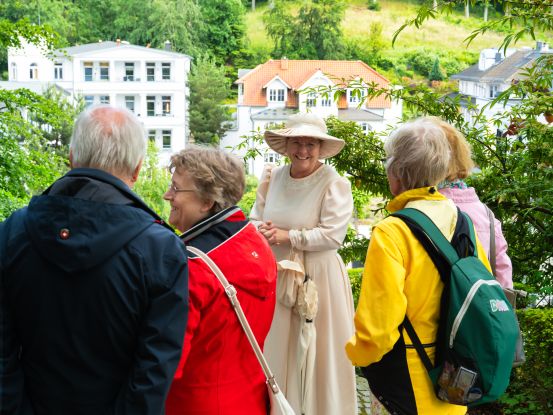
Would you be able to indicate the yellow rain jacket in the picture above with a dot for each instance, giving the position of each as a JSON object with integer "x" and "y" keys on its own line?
{"x": 400, "y": 279}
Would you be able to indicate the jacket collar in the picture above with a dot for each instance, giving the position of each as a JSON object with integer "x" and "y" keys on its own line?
{"x": 118, "y": 184}
{"x": 213, "y": 220}
{"x": 422, "y": 193}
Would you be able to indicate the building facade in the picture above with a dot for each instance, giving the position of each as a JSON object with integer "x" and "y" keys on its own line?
{"x": 152, "y": 83}
{"x": 494, "y": 73}
{"x": 270, "y": 93}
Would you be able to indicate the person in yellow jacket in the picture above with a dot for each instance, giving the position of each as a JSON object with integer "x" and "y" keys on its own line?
{"x": 400, "y": 279}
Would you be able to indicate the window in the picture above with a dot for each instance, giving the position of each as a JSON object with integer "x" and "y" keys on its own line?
{"x": 104, "y": 71}
{"x": 276, "y": 95}
{"x": 166, "y": 138}
{"x": 150, "y": 106}
{"x": 311, "y": 100}
{"x": 150, "y": 71}
{"x": 33, "y": 71}
{"x": 166, "y": 105}
{"x": 271, "y": 157}
{"x": 14, "y": 71}
{"x": 152, "y": 135}
{"x": 366, "y": 127}
{"x": 494, "y": 91}
{"x": 355, "y": 96}
{"x": 88, "y": 71}
{"x": 326, "y": 102}
{"x": 129, "y": 71}
{"x": 88, "y": 100}
{"x": 58, "y": 71}
{"x": 104, "y": 99}
{"x": 166, "y": 71}
{"x": 129, "y": 103}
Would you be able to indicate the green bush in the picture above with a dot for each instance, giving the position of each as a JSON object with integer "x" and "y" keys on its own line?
{"x": 355, "y": 277}
{"x": 531, "y": 386}
{"x": 373, "y": 5}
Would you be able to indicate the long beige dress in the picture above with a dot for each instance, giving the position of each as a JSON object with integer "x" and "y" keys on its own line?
{"x": 316, "y": 210}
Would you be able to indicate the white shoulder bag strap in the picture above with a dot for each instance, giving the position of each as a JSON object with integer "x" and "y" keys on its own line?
{"x": 231, "y": 294}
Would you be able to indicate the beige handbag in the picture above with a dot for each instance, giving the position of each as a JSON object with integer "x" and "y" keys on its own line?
{"x": 279, "y": 404}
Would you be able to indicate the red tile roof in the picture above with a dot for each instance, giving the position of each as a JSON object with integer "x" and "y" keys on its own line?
{"x": 296, "y": 72}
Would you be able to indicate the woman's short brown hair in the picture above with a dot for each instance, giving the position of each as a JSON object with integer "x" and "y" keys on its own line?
{"x": 461, "y": 163}
{"x": 218, "y": 175}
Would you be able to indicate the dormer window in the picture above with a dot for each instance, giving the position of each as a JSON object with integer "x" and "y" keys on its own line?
{"x": 355, "y": 96}
{"x": 276, "y": 95}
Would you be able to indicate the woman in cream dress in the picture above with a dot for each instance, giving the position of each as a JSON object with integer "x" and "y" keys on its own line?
{"x": 303, "y": 210}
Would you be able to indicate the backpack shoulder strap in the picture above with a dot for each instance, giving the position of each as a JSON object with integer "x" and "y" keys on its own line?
{"x": 436, "y": 238}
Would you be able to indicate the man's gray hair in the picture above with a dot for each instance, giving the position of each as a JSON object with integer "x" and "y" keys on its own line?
{"x": 418, "y": 154}
{"x": 108, "y": 138}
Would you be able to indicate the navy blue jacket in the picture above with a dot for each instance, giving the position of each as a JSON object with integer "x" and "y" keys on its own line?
{"x": 93, "y": 301}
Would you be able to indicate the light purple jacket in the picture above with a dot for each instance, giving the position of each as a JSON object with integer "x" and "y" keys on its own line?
{"x": 468, "y": 202}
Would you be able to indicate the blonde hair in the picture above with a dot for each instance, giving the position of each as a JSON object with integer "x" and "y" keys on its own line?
{"x": 461, "y": 163}
{"x": 418, "y": 154}
{"x": 218, "y": 175}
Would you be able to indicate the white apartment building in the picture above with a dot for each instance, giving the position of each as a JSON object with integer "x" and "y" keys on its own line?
{"x": 150, "y": 82}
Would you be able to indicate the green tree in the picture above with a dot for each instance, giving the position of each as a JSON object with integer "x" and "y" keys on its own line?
{"x": 224, "y": 27}
{"x": 315, "y": 33}
{"x": 208, "y": 89}
{"x": 436, "y": 73}
{"x": 153, "y": 182}
{"x": 180, "y": 22}
{"x": 28, "y": 164}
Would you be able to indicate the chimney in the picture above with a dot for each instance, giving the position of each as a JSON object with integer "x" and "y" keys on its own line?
{"x": 118, "y": 42}
{"x": 284, "y": 63}
{"x": 167, "y": 45}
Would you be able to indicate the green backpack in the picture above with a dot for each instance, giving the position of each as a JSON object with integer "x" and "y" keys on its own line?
{"x": 478, "y": 330}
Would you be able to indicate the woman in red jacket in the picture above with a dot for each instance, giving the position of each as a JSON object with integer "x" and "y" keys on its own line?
{"x": 218, "y": 372}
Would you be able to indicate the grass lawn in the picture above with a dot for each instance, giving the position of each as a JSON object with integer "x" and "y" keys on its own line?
{"x": 447, "y": 32}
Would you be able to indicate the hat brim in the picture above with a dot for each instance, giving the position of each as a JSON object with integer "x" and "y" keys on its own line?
{"x": 330, "y": 146}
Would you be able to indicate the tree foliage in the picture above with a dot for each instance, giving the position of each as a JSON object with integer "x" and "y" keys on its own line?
{"x": 224, "y": 27}
{"x": 315, "y": 33}
{"x": 153, "y": 182}
{"x": 208, "y": 89}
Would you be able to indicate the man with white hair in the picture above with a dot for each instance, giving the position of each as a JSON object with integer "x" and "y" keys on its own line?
{"x": 94, "y": 285}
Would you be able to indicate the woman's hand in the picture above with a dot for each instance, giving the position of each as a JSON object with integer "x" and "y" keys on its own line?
{"x": 274, "y": 235}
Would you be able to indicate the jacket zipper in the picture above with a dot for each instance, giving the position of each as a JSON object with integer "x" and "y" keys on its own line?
{"x": 465, "y": 306}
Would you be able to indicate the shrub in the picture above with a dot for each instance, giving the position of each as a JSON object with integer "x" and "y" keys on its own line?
{"x": 355, "y": 277}
{"x": 373, "y": 5}
{"x": 531, "y": 385}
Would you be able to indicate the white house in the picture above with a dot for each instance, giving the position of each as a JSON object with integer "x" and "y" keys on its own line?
{"x": 270, "y": 93}
{"x": 150, "y": 82}
{"x": 494, "y": 73}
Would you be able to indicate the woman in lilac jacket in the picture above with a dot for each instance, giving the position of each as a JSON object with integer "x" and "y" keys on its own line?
{"x": 455, "y": 189}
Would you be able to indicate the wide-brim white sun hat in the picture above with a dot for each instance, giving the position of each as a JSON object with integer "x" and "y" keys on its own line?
{"x": 304, "y": 125}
